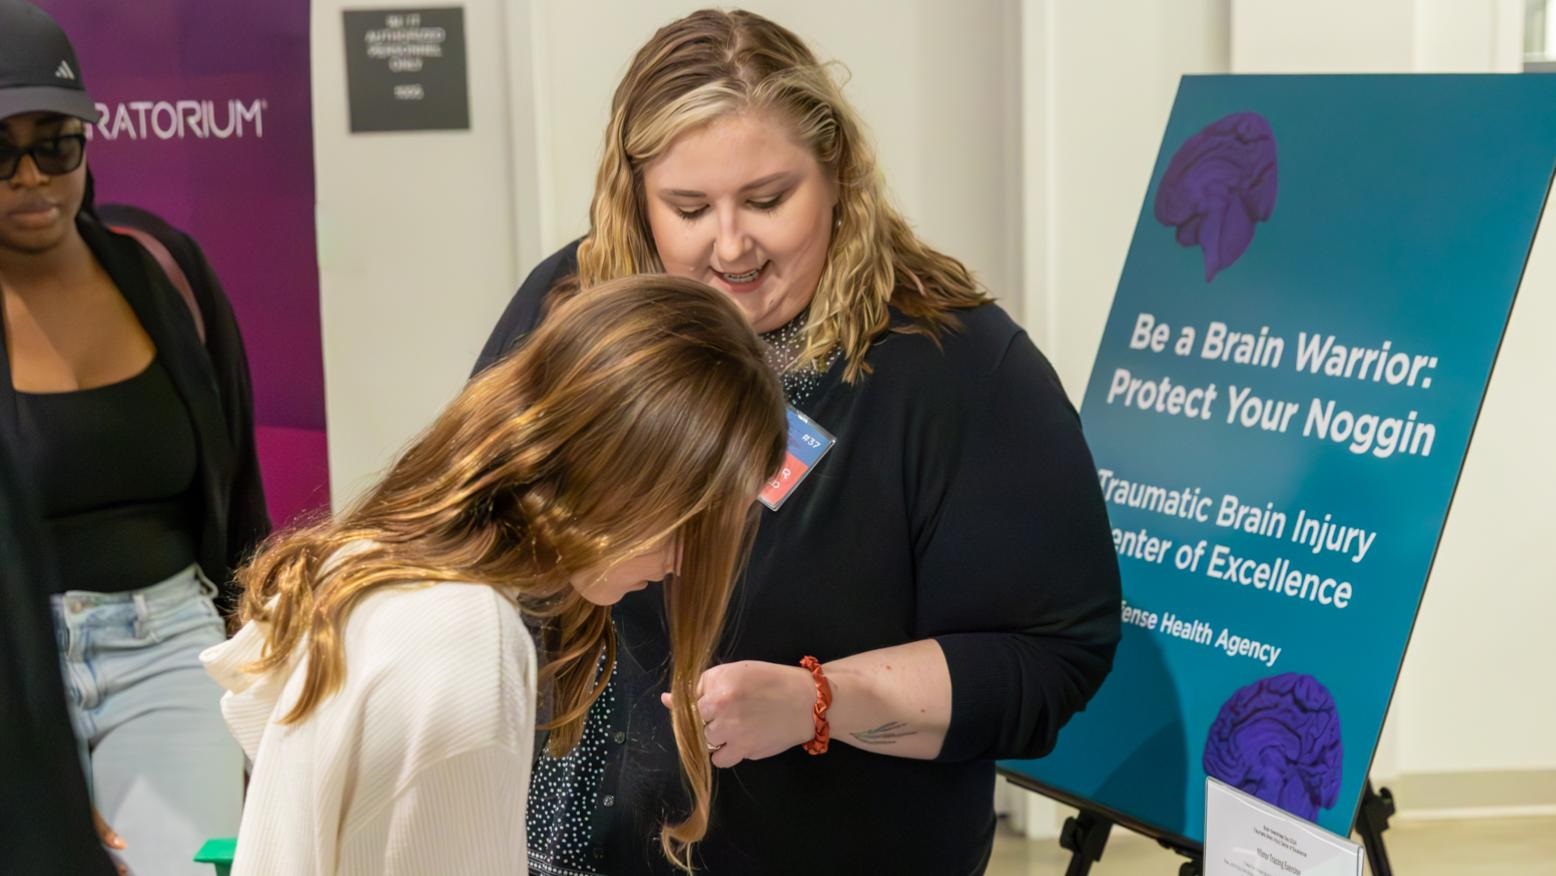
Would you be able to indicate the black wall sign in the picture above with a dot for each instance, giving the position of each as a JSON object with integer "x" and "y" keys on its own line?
{"x": 406, "y": 71}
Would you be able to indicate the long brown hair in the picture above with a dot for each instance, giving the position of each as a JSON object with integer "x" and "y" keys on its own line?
{"x": 712, "y": 64}
{"x": 639, "y": 409}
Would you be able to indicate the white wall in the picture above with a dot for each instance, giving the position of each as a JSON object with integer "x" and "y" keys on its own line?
{"x": 417, "y": 247}
{"x": 1101, "y": 78}
{"x": 944, "y": 128}
{"x": 1474, "y": 693}
{"x": 1377, "y": 36}
{"x": 1323, "y": 36}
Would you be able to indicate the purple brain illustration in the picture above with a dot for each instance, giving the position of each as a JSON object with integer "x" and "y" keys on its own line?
{"x": 1279, "y": 740}
{"x": 1219, "y": 184}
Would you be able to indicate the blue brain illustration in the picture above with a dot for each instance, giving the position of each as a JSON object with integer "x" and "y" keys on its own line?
{"x": 1279, "y": 740}
{"x": 1220, "y": 184}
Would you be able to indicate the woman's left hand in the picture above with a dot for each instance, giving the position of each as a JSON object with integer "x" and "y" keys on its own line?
{"x": 752, "y": 710}
{"x": 111, "y": 841}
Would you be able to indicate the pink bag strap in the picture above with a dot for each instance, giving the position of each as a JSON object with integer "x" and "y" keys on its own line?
{"x": 175, "y": 274}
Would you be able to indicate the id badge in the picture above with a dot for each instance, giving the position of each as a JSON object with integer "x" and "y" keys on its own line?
{"x": 808, "y": 442}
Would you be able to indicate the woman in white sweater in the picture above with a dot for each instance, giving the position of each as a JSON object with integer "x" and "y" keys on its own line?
{"x": 385, "y": 680}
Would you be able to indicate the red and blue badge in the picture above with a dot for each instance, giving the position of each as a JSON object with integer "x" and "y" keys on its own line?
{"x": 808, "y": 442}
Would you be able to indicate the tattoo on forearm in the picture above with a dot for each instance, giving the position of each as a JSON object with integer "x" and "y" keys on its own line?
{"x": 886, "y": 734}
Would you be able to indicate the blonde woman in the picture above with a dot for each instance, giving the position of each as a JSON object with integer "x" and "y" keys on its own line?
{"x": 948, "y": 563}
{"x": 385, "y": 684}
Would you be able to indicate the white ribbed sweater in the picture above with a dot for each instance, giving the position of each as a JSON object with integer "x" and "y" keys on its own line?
{"x": 419, "y": 764}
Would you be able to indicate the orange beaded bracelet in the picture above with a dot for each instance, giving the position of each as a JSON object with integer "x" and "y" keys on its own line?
{"x": 818, "y": 745}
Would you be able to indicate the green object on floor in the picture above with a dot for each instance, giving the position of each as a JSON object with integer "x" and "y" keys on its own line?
{"x": 218, "y": 853}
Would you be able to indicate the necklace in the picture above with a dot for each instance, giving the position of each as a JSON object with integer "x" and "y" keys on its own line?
{"x": 783, "y": 348}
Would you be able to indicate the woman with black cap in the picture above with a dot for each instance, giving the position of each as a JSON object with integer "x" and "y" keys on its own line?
{"x": 130, "y": 412}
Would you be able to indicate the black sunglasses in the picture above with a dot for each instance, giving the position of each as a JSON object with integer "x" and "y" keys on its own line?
{"x": 53, "y": 156}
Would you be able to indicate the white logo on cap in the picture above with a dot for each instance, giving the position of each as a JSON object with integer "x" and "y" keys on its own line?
{"x": 64, "y": 71}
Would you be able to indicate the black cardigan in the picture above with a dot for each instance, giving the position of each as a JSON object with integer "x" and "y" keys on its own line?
{"x": 213, "y": 382}
{"x": 45, "y": 818}
{"x": 960, "y": 504}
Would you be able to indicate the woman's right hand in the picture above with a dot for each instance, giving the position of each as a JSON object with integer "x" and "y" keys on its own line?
{"x": 111, "y": 840}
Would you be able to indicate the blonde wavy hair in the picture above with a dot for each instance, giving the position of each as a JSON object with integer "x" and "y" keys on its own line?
{"x": 713, "y": 64}
{"x": 641, "y": 409}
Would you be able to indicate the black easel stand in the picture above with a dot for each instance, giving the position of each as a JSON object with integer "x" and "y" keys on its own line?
{"x": 1371, "y": 821}
{"x": 1194, "y": 866}
{"x": 1085, "y": 835}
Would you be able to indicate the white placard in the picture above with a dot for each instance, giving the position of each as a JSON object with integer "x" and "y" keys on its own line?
{"x": 1245, "y": 836}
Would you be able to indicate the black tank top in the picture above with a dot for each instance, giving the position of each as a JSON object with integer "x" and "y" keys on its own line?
{"x": 114, "y": 467}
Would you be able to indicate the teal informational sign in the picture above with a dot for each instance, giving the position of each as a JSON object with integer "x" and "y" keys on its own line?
{"x": 1303, "y": 332}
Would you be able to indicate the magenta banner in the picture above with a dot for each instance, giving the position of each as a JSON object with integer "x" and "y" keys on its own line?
{"x": 207, "y": 122}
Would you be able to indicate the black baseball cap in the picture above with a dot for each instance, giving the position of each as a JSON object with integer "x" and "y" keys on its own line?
{"x": 38, "y": 67}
